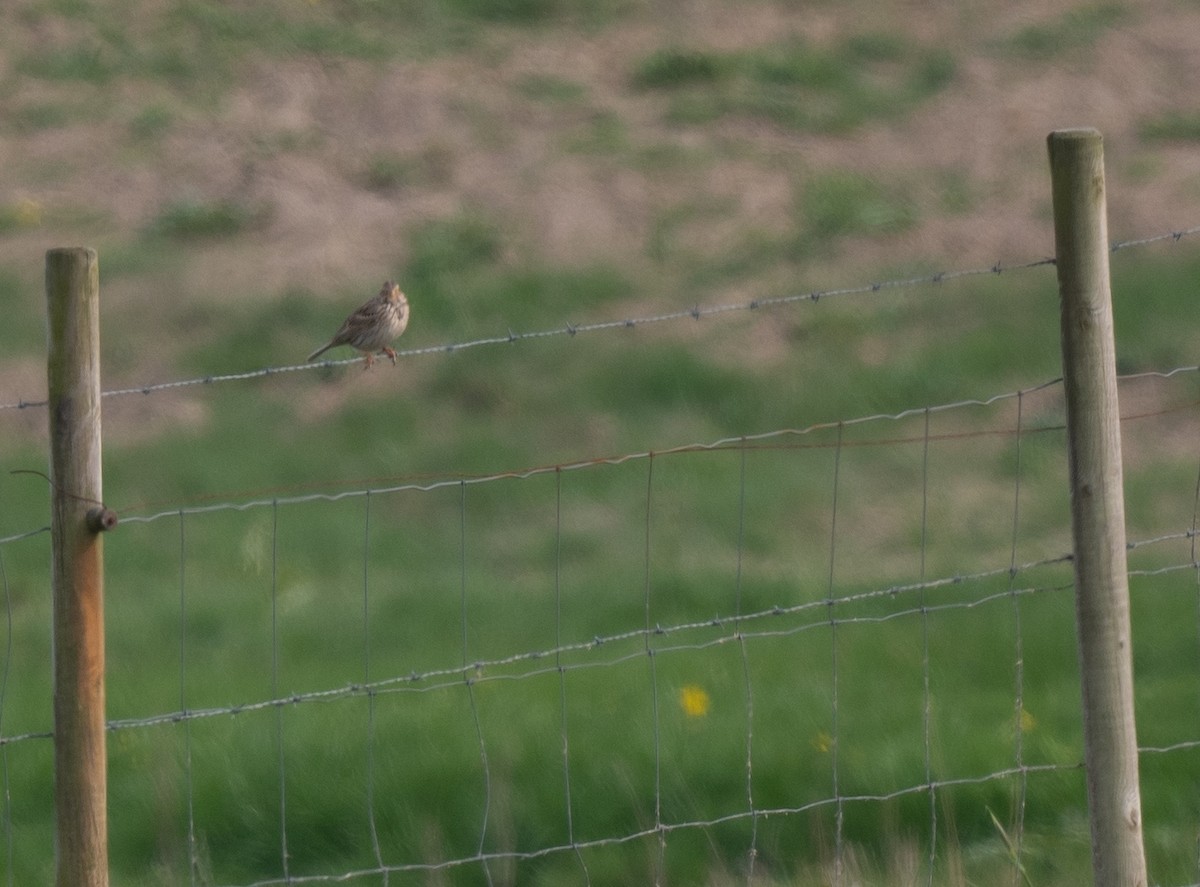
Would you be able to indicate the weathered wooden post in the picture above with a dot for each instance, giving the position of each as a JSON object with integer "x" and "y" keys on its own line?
{"x": 1097, "y": 507}
{"x": 77, "y": 568}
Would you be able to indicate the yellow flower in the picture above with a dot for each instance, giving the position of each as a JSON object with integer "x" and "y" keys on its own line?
{"x": 1028, "y": 721}
{"x": 27, "y": 212}
{"x": 822, "y": 742}
{"x": 694, "y": 700}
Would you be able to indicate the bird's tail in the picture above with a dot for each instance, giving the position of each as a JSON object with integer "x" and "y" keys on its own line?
{"x": 319, "y": 352}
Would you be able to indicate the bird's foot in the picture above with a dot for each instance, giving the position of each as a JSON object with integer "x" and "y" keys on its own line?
{"x": 391, "y": 353}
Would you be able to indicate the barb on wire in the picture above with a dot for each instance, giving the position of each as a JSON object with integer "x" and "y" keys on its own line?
{"x": 696, "y": 312}
{"x": 736, "y": 624}
{"x": 1173, "y": 236}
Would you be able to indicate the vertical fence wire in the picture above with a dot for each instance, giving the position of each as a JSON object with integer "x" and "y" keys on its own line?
{"x": 1022, "y": 777}
{"x": 1192, "y": 546}
{"x": 926, "y": 699}
{"x": 564, "y": 733}
{"x": 189, "y": 789}
{"x": 752, "y": 851}
{"x": 372, "y": 701}
{"x": 660, "y": 834}
{"x": 275, "y": 657}
{"x": 843, "y": 848}
{"x": 470, "y": 684}
{"x": 740, "y": 620}
{"x": 835, "y": 736}
{"x": 1195, "y": 563}
{"x": 8, "y": 649}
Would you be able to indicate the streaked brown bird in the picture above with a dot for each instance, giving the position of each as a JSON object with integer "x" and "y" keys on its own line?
{"x": 373, "y": 326}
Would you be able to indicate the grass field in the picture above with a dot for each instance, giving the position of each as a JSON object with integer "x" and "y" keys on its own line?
{"x": 232, "y": 608}
{"x": 581, "y": 655}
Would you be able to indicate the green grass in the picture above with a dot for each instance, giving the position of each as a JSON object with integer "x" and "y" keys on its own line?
{"x": 675, "y": 68}
{"x": 798, "y": 84}
{"x": 600, "y": 133}
{"x": 389, "y": 171}
{"x": 151, "y": 123}
{"x": 1077, "y": 28}
{"x": 39, "y": 116}
{"x": 22, "y": 214}
{"x": 24, "y": 332}
{"x": 516, "y": 12}
{"x": 1175, "y": 126}
{"x": 311, "y": 596}
{"x": 835, "y": 205}
{"x": 275, "y": 601}
{"x": 190, "y": 218}
{"x": 828, "y": 208}
{"x": 197, "y": 48}
{"x": 551, "y": 89}
{"x": 86, "y": 62}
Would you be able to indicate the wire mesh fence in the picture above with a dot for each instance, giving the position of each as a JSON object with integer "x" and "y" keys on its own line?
{"x": 841, "y": 653}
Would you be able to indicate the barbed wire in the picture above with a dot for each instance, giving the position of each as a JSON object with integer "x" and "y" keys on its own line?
{"x": 1173, "y": 236}
{"x": 489, "y": 670}
{"x": 1166, "y": 537}
{"x": 696, "y": 312}
{"x": 624, "y": 645}
{"x": 486, "y": 670}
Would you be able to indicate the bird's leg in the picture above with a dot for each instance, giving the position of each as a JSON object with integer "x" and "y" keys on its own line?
{"x": 370, "y": 360}
{"x": 391, "y": 353}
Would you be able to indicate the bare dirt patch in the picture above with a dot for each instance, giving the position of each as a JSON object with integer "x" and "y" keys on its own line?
{"x": 568, "y": 180}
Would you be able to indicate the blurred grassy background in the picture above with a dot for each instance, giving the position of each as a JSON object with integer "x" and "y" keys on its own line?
{"x": 249, "y": 173}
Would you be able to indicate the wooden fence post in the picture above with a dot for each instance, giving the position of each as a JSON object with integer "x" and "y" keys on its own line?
{"x": 1097, "y": 507}
{"x": 77, "y": 574}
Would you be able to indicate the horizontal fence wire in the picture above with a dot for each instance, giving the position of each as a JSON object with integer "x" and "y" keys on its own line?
{"x": 147, "y": 512}
{"x": 1010, "y": 590}
{"x": 479, "y": 671}
{"x": 696, "y": 312}
{"x": 661, "y": 830}
{"x": 490, "y": 670}
{"x": 764, "y": 439}
{"x": 133, "y": 512}
{"x": 483, "y": 671}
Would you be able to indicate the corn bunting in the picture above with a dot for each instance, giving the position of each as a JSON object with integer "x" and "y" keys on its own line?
{"x": 373, "y": 326}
